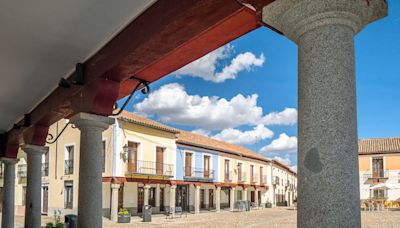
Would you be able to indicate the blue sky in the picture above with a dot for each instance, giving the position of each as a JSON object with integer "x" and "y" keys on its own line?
{"x": 262, "y": 67}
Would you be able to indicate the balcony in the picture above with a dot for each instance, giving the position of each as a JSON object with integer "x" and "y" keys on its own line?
{"x": 149, "y": 168}
{"x": 263, "y": 179}
{"x": 376, "y": 177}
{"x": 242, "y": 177}
{"x": 253, "y": 178}
{"x": 69, "y": 167}
{"x": 45, "y": 169}
{"x": 198, "y": 174}
{"x": 228, "y": 176}
{"x": 21, "y": 171}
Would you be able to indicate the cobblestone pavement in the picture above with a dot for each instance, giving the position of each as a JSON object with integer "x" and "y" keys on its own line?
{"x": 275, "y": 217}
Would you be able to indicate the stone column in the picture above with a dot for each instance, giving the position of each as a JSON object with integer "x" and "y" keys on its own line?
{"x": 114, "y": 202}
{"x": 146, "y": 195}
{"x": 172, "y": 193}
{"x": 157, "y": 198}
{"x": 197, "y": 199}
{"x": 218, "y": 199}
{"x": 34, "y": 184}
{"x": 90, "y": 168}
{"x": 327, "y": 128}
{"x": 245, "y": 194}
{"x": 232, "y": 197}
{"x": 7, "y": 217}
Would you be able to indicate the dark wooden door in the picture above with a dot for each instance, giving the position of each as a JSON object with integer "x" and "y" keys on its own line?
{"x": 252, "y": 196}
{"x": 226, "y": 166}
{"x": 161, "y": 199}
{"x": 121, "y": 197}
{"x": 159, "y": 160}
{"x": 188, "y": 164}
{"x": 240, "y": 171}
{"x": 202, "y": 199}
{"x": 252, "y": 173}
{"x": 140, "y": 199}
{"x": 182, "y": 197}
{"x": 45, "y": 200}
{"x": 377, "y": 167}
{"x": 211, "y": 198}
{"x": 259, "y": 196}
{"x": 132, "y": 157}
{"x": 1, "y": 197}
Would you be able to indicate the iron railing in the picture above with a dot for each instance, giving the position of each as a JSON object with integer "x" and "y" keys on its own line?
{"x": 228, "y": 176}
{"x": 45, "y": 169}
{"x": 241, "y": 177}
{"x": 21, "y": 171}
{"x": 69, "y": 167}
{"x": 149, "y": 168}
{"x": 378, "y": 175}
{"x": 254, "y": 178}
{"x": 198, "y": 174}
{"x": 263, "y": 179}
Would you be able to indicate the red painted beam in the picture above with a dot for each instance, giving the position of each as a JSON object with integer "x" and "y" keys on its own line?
{"x": 164, "y": 38}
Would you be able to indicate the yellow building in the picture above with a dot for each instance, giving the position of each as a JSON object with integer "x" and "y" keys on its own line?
{"x": 379, "y": 161}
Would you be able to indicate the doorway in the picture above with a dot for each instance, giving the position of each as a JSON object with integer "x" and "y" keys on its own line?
{"x": 45, "y": 200}
{"x": 210, "y": 198}
{"x": 182, "y": 197}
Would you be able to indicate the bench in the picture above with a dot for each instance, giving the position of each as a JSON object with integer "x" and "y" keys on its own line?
{"x": 178, "y": 210}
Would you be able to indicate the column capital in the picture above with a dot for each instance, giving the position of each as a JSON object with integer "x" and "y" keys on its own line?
{"x": 8, "y": 161}
{"x": 218, "y": 187}
{"x": 295, "y": 17}
{"x": 115, "y": 186}
{"x": 82, "y": 120}
{"x": 146, "y": 186}
{"x": 173, "y": 186}
{"x": 34, "y": 149}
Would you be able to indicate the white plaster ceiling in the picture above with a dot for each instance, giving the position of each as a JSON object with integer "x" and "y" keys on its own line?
{"x": 41, "y": 40}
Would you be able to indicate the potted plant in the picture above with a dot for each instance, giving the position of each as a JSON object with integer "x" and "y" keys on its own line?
{"x": 124, "y": 216}
{"x": 268, "y": 204}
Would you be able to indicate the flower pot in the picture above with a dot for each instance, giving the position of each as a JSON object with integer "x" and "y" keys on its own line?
{"x": 268, "y": 205}
{"x": 124, "y": 218}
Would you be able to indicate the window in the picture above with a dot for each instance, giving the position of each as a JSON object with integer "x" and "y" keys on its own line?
{"x": 103, "y": 155}
{"x": 160, "y": 160}
{"x": 23, "y": 195}
{"x": 262, "y": 174}
{"x": 45, "y": 164}
{"x": 68, "y": 194}
{"x": 69, "y": 160}
{"x": 188, "y": 164}
{"x": 206, "y": 166}
{"x": 252, "y": 173}
{"x": 377, "y": 167}
{"x": 226, "y": 169}
{"x": 239, "y": 195}
{"x": 240, "y": 174}
{"x": 132, "y": 156}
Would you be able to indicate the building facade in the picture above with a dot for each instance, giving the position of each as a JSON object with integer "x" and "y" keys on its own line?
{"x": 147, "y": 163}
{"x": 379, "y": 161}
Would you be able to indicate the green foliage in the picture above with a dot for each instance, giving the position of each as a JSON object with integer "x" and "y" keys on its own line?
{"x": 49, "y": 225}
{"x": 123, "y": 211}
{"x": 60, "y": 225}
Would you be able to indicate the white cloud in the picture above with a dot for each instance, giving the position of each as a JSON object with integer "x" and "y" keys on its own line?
{"x": 294, "y": 168}
{"x": 259, "y": 132}
{"x": 282, "y": 144}
{"x": 206, "y": 66}
{"x": 172, "y": 104}
{"x": 201, "y": 132}
{"x": 287, "y": 117}
{"x": 285, "y": 160}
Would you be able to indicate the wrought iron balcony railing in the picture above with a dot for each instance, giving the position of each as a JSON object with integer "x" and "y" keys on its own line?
{"x": 263, "y": 179}
{"x": 254, "y": 178}
{"x": 69, "y": 167}
{"x": 149, "y": 168}
{"x": 228, "y": 176}
{"x": 21, "y": 171}
{"x": 384, "y": 174}
{"x": 45, "y": 169}
{"x": 241, "y": 177}
{"x": 198, "y": 174}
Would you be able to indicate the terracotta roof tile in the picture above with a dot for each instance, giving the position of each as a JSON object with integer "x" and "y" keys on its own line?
{"x": 141, "y": 120}
{"x": 190, "y": 138}
{"x": 379, "y": 146}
